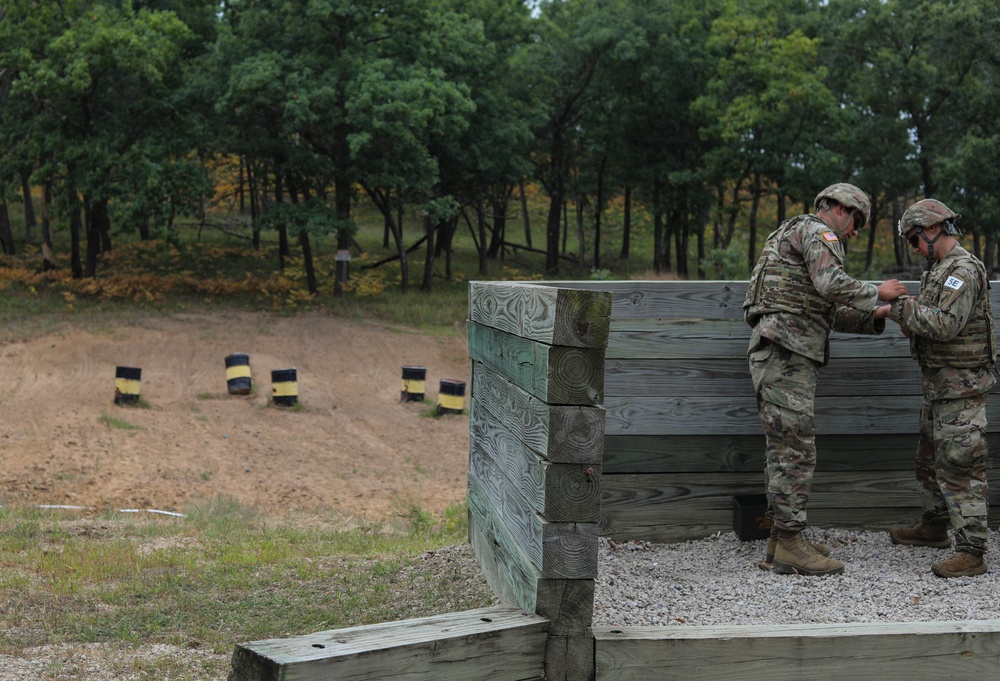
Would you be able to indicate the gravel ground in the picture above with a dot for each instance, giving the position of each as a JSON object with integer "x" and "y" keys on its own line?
{"x": 719, "y": 580}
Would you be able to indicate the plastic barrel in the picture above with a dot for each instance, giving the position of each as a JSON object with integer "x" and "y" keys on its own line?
{"x": 238, "y": 374}
{"x": 284, "y": 388}
{"x": 451, "y": 397}
{"x": 414, "y": 381}
{"x": 127, "y": 383}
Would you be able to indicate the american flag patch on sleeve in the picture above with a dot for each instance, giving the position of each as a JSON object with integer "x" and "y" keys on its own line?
{"x": 830, "y": 236}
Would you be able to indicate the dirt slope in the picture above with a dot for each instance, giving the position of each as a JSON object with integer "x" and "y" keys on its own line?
{"x": 352, "y": 448}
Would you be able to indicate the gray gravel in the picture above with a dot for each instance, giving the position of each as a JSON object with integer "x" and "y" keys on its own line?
{"x": 719, "y": 580}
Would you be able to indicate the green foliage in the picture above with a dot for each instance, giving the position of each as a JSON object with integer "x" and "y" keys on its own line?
{"x": 719, "y": 118}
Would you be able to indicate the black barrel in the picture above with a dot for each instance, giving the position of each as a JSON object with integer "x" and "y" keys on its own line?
{"x": 451, "y": 397}
{"x": 284, "y": 388}
{"x": 414, "y": 382}
{"x": 238, "y": 374}
{"x": 127, "y": 383}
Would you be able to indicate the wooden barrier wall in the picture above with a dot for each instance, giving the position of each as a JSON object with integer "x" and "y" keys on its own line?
{"x": 537, "y": 440}
{"x": 683, "y": 435}
{"x": 626, "y": 409}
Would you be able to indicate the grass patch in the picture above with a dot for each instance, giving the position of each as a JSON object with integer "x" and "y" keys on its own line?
{"x": 219, "y": 576}
{"x": 117, "y": 423}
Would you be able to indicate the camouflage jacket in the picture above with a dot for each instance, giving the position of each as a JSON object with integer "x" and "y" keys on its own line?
{"x": 799, "y": 290}
{"x": 950, "y": 324}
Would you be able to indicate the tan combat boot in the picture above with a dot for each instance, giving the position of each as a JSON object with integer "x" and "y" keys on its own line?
{"x": 772, "y": 543}
{"x": 934, "y": 535}
{"x": 962, "y": 564}
{"x": 794, "y": 556}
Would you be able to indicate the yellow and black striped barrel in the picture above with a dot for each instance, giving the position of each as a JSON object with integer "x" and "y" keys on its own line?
{"x": 451, "y": 397}
{"x": 414, "y": 380}
{"x": 238, "y": 374}
{"x": 127, "y": 383}
{"x": 284, "y": 387}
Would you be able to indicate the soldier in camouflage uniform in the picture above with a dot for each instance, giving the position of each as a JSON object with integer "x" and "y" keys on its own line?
{"x": 798, "y": 293}
{"x": 950, "y": 326}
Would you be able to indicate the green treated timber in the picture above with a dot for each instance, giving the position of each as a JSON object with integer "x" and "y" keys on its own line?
{"x": 848, "y": 378}
{"x": 886, "y": 651}
{"x": 567, "y": 604}
{"x": 737, "y": 415}
{"x": 509, "y": 575}
{"x": 556, "y": 316}
{"x": 560, "y": 492}
{"x": 676, "y": 507}
{"x": 696, "y": 491}
{"x": 728, "y": 339}
{"x": 554, "y": 374}
{"x": 570, "y": 658}
{"x": 488, "y": 643}
{"x": 733, "y": 453}
{"x": 559, "y": 433}
{"x": 636, "y": 299}
{"x": 665, "y": 527}
{"x": 556, "y": 550}
{"x": 677, "y": 299}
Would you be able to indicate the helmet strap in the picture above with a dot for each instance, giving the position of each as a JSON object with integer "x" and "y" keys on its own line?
{"x": 930, "y": 246}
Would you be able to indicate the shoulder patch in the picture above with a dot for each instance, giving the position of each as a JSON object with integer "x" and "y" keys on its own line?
{"x": 954, "y": 283}
{"x": 830, "y": 236}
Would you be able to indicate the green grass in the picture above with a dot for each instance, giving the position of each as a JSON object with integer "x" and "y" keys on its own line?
{"x": 219, "y": 576}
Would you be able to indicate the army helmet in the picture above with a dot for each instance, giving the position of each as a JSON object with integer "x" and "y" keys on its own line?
{"x": 927, "y": 213}
{"x": 848, "y": 196}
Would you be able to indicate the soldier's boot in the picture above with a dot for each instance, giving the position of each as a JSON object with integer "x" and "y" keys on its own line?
{"x": 962, "y": 564}
{"x": 772, "y": 543}
{"x": 794, "y": 556}
{"x": 934, "y": 535}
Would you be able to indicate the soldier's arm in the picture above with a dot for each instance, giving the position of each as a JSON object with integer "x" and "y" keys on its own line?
{"x": 824, "y": 258}
{"x": 939, "y": 322}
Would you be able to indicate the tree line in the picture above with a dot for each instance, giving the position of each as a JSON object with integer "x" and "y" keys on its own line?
{"x": 707, "y": 113}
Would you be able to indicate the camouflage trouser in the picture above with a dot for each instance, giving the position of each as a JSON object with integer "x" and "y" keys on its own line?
{"x": 951, "y": 468}
{"x": 785, "y": 383}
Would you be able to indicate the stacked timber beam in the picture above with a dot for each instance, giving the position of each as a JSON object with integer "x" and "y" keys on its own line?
{"x": 537, "y": 436}
{"x": 683, "y": 436}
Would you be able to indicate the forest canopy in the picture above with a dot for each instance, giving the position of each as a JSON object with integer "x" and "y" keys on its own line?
{"x": 713, "y": 119}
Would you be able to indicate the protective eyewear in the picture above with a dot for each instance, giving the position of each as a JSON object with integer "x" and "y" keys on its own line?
{"x": 914, "y": 239}
{"x": 859, "y": 220}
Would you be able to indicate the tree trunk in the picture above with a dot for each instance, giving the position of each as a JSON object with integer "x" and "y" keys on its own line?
{"x": 6, "y": 236}
{"x": 29, "y": 208}
{"x": 48, "y": 253}
{"x": 75, "y": 228}
{"x": 524, "y": 213}
{"x": 429, "y": 230}
{"x": 307, "y": 261}
{"x": 92, "y": 232}
{"x": 104, "y": 226}
{"x": 627, "y": 224}
{"x": 481, "y": 226}
{"x": 383, "y": 202}
{"x": 754, "y": 204}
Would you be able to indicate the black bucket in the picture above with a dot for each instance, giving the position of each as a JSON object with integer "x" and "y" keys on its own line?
{"x": 451, "y": 397}
{"x": 284, "y": 388}
{"x": 127, "y": 384}
{"x": 238, "y": 374}
{"x": 750, "y": 519}
{"x": 414, "y": 384}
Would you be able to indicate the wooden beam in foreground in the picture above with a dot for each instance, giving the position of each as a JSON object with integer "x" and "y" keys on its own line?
{"x": 887, "y": 651}
{"x": 498, "y": 643}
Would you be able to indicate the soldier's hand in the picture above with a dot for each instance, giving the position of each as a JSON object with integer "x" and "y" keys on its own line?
{"x": 882, "y": 311}
{"x": 890, "y": 290}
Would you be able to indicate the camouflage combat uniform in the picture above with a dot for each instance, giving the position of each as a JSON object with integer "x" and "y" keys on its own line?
{"x": 798, "y": 293}
{"x": 951, "y": 332}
